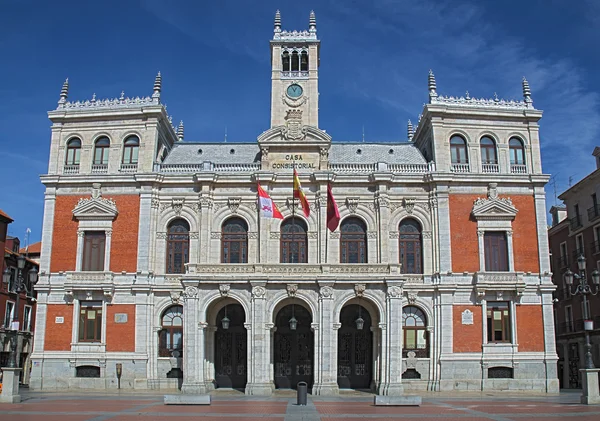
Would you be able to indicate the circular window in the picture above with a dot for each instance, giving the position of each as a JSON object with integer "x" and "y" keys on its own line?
{"x": 232, "y": 151}
{"x": 199, "y": 151}
{"x": 358, "y": 151}
{"x": 391, "y": 151}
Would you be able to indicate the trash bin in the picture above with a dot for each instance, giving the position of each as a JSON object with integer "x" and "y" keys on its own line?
{"x": 302, "y": 390}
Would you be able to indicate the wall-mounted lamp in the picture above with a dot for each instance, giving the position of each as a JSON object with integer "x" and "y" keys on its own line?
{"x": 119, "y": 373}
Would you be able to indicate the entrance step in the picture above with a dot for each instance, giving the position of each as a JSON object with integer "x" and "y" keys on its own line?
{"x": 187, "y": 400}
{"x": 404, "y": 400}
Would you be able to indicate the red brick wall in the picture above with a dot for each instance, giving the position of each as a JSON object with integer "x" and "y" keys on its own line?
{"x": 467, "y": 338}
{"x": 120, "y": 336}
{"x": 463, "y": 232}
{"x": 530, "y": 328}
{"x": 58, "y": 335}
{"x": 123, "y": 256}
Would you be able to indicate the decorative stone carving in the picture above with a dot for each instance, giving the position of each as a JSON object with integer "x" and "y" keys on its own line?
{"x": 164, "y": 206}
{"x": 411, "y": 296}
{"x": 292, "y": 203}
{"x": 161, "y": 235}
{"x": 433, "y": 202}
{"x": 108, "y": 232}
{"x": 324, "y": 153}
{"x": 371, "y": 235}
{"x": 494, "y": 207}
{"x": 194, "y": 235}
{"x": 359, "y": 289}
{"x": 252, "y": 235}
{"x": 334, "y": 235}
{"x": 155, "y": 203}
{"x": 81, "y": 234}
{"x": 394, "y": 291}
{"x": 499, "y": 295}
{"x": 294, "y": 129}
{"x": 191, "y": 292}
{"x": 411, "y": 360}
{"x": 394, "y": 235}
{"x": 382, "y": 200}
{"x": 258, "y": 291}
{"x": 480, "y": 292}
{"x": 234, "y": 203}
{"x": 206, "y": 202}
{"x": 426, "y": 235}
{"x": 270, "y": 326}
{"x": 292, "y": 289}
{"x": 314, "y": 326}
{"x": 409, "y": 204}
{"x": 215, "y": 235}
{"x": 175, "y": 296}
{"x": 326, "y": 292}
{"x": 224, "y": 289}
{"x": 264, "y": 154}
{"x": 336, "y": 326}
{"x": 96, "y": 207}
{"x": 313, "y": 235}
{"x": 352, "y": 204}
{"x": 177, "y": 205}
{"x": 247, "y": 326}
{"x": 274, "y": 235}
{"x": 202, "y": 325}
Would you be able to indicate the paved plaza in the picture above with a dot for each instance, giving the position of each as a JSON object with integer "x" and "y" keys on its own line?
{"x": 231, "y": 406}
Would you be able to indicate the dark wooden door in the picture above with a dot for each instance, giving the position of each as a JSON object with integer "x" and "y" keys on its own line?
{"x": 293, "y": 349}
{"x": 355, "y": 349}
{"x": 231, "y": 349}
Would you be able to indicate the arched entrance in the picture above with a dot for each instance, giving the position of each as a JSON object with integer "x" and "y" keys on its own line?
{"x": 355, "y": 348}
{"x": 231, "y": 347}
{"x": 293, "y": 348}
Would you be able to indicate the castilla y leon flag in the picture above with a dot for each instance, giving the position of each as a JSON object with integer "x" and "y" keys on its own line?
{"x": 267, "y": 207}
{"x": 299, "y": 194}
{"x": 333, "y": 213}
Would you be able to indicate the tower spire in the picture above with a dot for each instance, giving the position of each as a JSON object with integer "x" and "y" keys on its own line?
{"x": 527, "y": 92}
{"x": 157, "y": 86}
{"x": 64, "y": 92}
{"x": 277, "y": 23}
{"x": 432, "y": 86}
{"x": 312, "y": 22}
{"x": 409, "y": 130}
{"x": 180, "y": 131}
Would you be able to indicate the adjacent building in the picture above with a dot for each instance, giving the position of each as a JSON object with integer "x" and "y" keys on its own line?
{"x": 575, "y": 232}
{"x": 155, "y": 255}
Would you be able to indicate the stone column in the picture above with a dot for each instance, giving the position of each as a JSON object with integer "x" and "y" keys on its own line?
{"x": 48, "y": 229}
{"x": 259, "y": 352}
{"x": 10, "y": 385}
{"x": 206, "y": 205}
{"x": 193, "y": 341}
{"x": 382, "y": 203}
{"x": 550, "y": 355}
{"x": 326, "y": 338}
{"x": 391, "y": 349}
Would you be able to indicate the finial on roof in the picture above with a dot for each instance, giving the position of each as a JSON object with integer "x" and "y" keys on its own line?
{"x": 64, "y": 92}
{"x": 312, "y": 22}
{"x": 180, "y": 130}
{"x": 122, "y": 97}
{"x": 277, "y": 23}
{"x": 157, "y": 86}
{"x": 432, "y": 86}
{"x": 94, "y": 97}
{"x": 526, "y": 92}
{"x": 409, "y": 130}
{"x": 496, "y": 99}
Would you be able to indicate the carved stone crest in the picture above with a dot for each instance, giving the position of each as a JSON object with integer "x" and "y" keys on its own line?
{"x": 409, "y": 204}
{"x": 326, "y": 292}
{"x": 411, "y": 297}
{"x": 292, "y": 289}
{"x": 191, "y": 292}
{"x": 224, "y": 289}
{"x": 394, "y": 291}
{"x": 176, "y": 296}
{"x": 234, "y": 204}
{"x": 294, "y": 129}
{"x": 258, "y": 291}
{"x": 177, "y": 206}
{"x": 359, "y": 289}
{"x": 352, "y": 204}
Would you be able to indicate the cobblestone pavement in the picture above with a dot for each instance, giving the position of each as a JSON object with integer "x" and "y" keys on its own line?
{"x": 232, "y": 406}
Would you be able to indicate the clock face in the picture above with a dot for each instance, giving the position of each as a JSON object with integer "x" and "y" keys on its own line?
{"x": 294, "y": 91}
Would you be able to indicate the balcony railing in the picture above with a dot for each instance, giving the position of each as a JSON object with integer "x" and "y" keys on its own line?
{"x": 563, "y": 261}
{"x": 351, "y": 168}
{"x": 460, "y": 168}
{"x": 99, "y": 168}
{"x": 71, "y": 169}
{"x": 593, "y": 212}
{"x": 575, "y": 222}
{"x": 518, "y": 169}
{"x": 564, "y": 327}
{"x": 489, "y": 168}
{"x": 128, "y": 168}
{"x": 595, "y": 246}
{"x": 578, "y": 252}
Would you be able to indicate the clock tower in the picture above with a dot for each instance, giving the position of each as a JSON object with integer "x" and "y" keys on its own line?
{"x": 294, "y": 78}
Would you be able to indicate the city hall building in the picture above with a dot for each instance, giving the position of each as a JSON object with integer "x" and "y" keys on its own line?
{"x": 158, "y": 266}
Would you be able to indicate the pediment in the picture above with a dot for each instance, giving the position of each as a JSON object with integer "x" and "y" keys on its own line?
{"x": 97, "y": 208}
{"x": 302, "y": 135}
{"x": 497, "y": 208}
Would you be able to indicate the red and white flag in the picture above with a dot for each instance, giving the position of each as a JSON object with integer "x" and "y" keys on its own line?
{"x": 267, "y": 207}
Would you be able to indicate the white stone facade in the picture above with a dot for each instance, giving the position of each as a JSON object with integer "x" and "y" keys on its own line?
{"x": 380, "y": 184}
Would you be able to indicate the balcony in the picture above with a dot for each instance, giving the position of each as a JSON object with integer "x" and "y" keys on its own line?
{"x": 71, "y": 169}
{"x": 578, "y": 252}
{"x": 89, "y": 281}
{"x": 575, "y": 222}
{"x": 593, "y": 212}
{"x": 489, "y": 168}
{"x": 99, "y": 168}
{"x": 129, "y": 168}
{"x": 518, "y": 169}
{"x": 460, "y": 168}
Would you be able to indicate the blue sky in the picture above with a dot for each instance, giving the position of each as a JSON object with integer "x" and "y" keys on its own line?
{"x": 214, "y": 58}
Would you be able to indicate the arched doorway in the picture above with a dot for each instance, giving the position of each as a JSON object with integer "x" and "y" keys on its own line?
{"x": 355, "y": 348}
{"x": 231, "y": 348}
{"x": 293, "y": 347}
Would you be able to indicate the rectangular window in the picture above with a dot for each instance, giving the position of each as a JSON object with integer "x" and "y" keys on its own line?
{"x": 8, "y": 314}
{"x": 90, "y": 321}
{"x": 498, "y": 321}
{"x": 93, "y": 251}
{"x": 569, "y": 319}
{"x": 496, "y": 251}
{"x": 27, "y": 319}
{"x": 579, "y": 244}
{"x": 564, "y": 261}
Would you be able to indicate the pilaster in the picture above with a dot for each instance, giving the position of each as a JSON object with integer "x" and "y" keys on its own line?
{"x": 444, "y": 239}
{"x": 391, "y": 347}
{"x": 326, "y": 345}
{"x": 144, "y": 231}
{"x": 48, "y": 229}
{"x": 259, "y": 367}
{"x": 193, "y": 354}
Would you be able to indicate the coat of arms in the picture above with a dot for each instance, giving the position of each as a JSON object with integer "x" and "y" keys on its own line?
{"x": 294, "y": 130}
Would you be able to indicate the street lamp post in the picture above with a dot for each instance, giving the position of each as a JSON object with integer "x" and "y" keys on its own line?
{"x": 18, "y": 287}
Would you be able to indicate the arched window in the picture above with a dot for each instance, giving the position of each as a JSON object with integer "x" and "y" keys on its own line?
{"x": 234, "y": 241}
{"x": 410, "y": 246}
{"x": 414, "y": 326}
{"x": 73, "y": 152}
{"x": 304, "y": 61}
{"x": 130, "y": 150}
{"x": 458, "y": 150}
{"x": 101, "y": 148}
{"x": 517, "y": 154}
{"x": 295, "y": 62}
{"x": 353, "y": 241}
{"x": 285, "y": 61}
{"x": 488, "y": 151}
{"x": 178, "y": 246}
{"x": 170, "y": 337}
{"x": 293, "y": 241}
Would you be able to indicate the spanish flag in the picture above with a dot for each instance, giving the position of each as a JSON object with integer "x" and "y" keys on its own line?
{"x": 299, "y": 194}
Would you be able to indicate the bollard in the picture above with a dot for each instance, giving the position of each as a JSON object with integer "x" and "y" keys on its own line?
{"x": 302, "y": 390}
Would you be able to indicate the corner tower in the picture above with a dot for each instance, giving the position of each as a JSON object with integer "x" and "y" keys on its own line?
{"x": 294, "y": 79}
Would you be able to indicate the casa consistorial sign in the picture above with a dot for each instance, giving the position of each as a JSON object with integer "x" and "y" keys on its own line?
{"x": 287, "y": 161}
